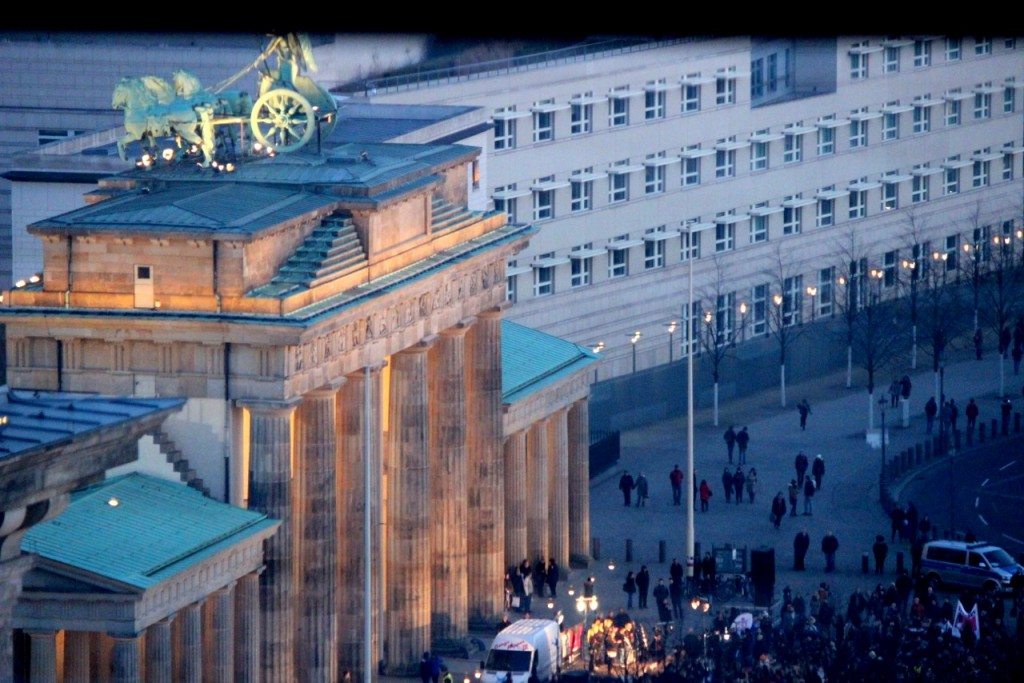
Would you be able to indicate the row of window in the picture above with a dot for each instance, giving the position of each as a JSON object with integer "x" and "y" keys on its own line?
{"x": 893, "y": 55}
{"x": 823, "y": 209}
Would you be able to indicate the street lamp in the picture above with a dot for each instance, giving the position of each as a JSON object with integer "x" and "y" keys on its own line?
{"x": 911, "y": 265}
{"x": 585, "y": 604}
{"x": 634, "y": 338}
{"x": 812, "y": 292}
{"x": 779, "y": 323}
{"x": 744, "y": 309}
{"x": 671, "y": 331}
{"x": 881, "y": 472}
{"x": 704, "y": 606}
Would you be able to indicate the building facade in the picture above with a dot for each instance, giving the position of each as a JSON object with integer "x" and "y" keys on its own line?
{"x": 763, "y": 161}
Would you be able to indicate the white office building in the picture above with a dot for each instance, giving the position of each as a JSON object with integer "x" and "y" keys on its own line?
{"x": 759, "y": 159}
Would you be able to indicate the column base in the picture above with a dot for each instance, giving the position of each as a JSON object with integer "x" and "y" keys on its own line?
{"x": 577, "y": 561}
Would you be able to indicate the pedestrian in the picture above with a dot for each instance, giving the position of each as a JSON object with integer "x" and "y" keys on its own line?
{"x": 661, "y": 601}
{"x": 730, "y": 440}
{"x": 425, "y": 668}
{"x": 626, "y": 484}
{"x": 742, "y": 439}
{"x": 905, "y": 387}
{"x": 675, "y": 571}
{"x": 675, "y": 477}
{"x": 738, "y": 480}
{"x": 553, "y": 574}
{"x": 641, "y": 490}
{"x": 751, "y": 484}
{"x": 880, "y": 549}
{"x": 709, "y": 568}
{"x": 1004, "y": 410}
{"x": 778, "y": 509}
{"x": 794, "y": 493}
{"x": 675, "y": 590}
{"x": 705, "y": 495}
{"x": 808, "y": 496}
{"x": 954, "y": 413}
{"x": 894, "y": 392}
{"x": 912, "y": 522}
{"x": 801, "y": 467}
{"x": 643, "y": 584}
{"x": 930, "y": 410}
{"x": 727, "y": 484}
{"x": 977, "y": 343}
{"x": 801, "y": 543}
{"x": 896, "y": 519}
{"x": 971, "y": 411}
{"x": 436, "y": 664}
{"x": 540, "y": 577}
{"x": 804, "y": 409}
{"x": 829, "y": 546}
{"x": 446, "y": 675}
{"x": 524, "y": 603}
{"x": 629, "y": 586}
{"x": 818, "y": 471}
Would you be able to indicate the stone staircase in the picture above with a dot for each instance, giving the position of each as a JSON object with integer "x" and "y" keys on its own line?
{"x": 178, "y": 460}
{"x": 448, "y": 216}
{"x": 331, "y": 250}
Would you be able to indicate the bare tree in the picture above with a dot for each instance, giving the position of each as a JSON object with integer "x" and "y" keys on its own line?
{"x": 911, "y": 274}
{"x": 942, "y": 311}
{"x": 877, "y": 339}
{"x": 718, "y": 337}
{"x": 1001, "y": 290}
{"x": 850, "y": 278}
{"x": 785, "y": 310}
{"x": 971, "y": 263}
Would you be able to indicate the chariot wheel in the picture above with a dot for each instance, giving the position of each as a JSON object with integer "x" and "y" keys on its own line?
{"x": 283, "y": 119}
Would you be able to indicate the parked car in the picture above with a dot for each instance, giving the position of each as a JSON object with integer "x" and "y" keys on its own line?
{"x": 974, "y": 565}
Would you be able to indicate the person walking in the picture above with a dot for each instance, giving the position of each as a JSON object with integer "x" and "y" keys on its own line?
{"x": 897, "y": 517}
{"x": 626, "y": 485}
{"x": 794, "y": 493}
{"x": 425, "y": 668}
{"x": 751, "y": 484}
{"x": 675, "y": 590}
{"x": 894, "y": 392}
{"x": 804, "y": 408}
{"x": 931, "y": 409}
{"x": 675, "y": 477}
{"x": 738, "y": 480}
{"x": 829, "y": 546}
{"x": 629, "y": 587}
{"x": 808, "y": 496}
{"x": 643, "y": 584}
{"x": 730, "y": 441}
{"x": 661, "y": 601}
{"x": 553, "y": 575}
{"x": 705, "y": 495}
{"x": 880, "y": 549}
{"x": 818, "y": 471}
{"x": 436, "y": 664}
{"x": 954, "y": 414}
{"x": 641, "y": 490}
{"x": 971, "y": 411}
{"x": 727, "y": 484}
{"x": 801, "y": 467}
{"x": 801, "y": 543}
{"x": 540, "y": 577}
{"x": 742, "y": 439}
{"x": 778, "y": 509}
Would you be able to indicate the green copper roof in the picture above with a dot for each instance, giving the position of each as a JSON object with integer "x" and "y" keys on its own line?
{"x": 532, "y": 360}
{"x": 157, "y": 529}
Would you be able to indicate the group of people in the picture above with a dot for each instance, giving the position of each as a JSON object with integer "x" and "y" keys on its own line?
{"x": 733, "y": 483}
{"x": 627, "y": 484}
{"x": 734, "y": 440}
{"x": 808, "y": 484}
{"x": 526, "y": 580}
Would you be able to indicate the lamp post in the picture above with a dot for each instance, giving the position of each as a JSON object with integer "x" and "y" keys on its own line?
{"x": 704, "y": 606}
{"x": 690, "y": 476}
{"x": 848, "y": 313}
{"x": 971, "y": 251}
{"x": 633, "y": 339}
{"x": 777, "y": 300}
{"x": 911, "y": 265}
{"x": 881, "y": 472}
{"x": 597, "y": 348}
{"x": 585, "y": 604}
{"x": 671, "y": 332}
{"x": 938, "y": 338}
{"x": 713, "y": 353}
{"x": 812, "y": 292}
{"x": 744, "y": 309}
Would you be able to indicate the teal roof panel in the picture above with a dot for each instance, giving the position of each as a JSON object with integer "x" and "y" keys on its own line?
{"x": 532, "y": 360}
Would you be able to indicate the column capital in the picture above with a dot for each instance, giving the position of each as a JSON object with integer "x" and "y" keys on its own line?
{"x": 495, "y": 311}
{"x": 422, "y": 345}
{"x": 459, "y": 329}
{"x": 258, "y": 405}
{"x": 328, "y": 390}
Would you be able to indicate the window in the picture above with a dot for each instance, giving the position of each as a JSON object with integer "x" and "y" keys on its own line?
{"x": 891, "y": 60}
{"x": 618, "y": 111}
{"x": 773, "y": 72}
{"x": 654, "y": 250}
{"x": 725, "y": 161}
{"x": 1010, "y": 43}
{"x": 952, "y": 249}
{"x": 544, "y": 201}
{"x": 922, "y": 52}
{"x": 724, "y": 320}
{"x": 580, "y": 116}
{"x": 511, "y": 287}
{"x": 792, "y": 300}
{"x": 692, "y": 318}
{"x": 890, "y": 126}
{"x": 582, "y": 191}
{"x": 825, "y": 278}
{"x": 618, "y": 260}
{"x": 48, "y": 135}
{"x": 691, "y": 95}
{"x": 618, "y": 184}
{"x": 953, "y": 49}
{"x": 543, "y": 123}
{"x": 759, "y": 226}
{"x": 506, "y": 205}
{"x": 725, "y": 236}
{"x": 919, "y": 189}
{"x": 980, "y": 176}
{"x": 982, "y": 46}
{"x": 858, "y": 282}
{"x": 504, "y": 132}
{"x": 922, "y": 257}
{"x": 858, "y": 134}
{"x": 654, "y": 100}
{"x": 890, "y": 195}
{"x": 654, "y": 176}
{"x": 826, "y": 209}
{"x": 791, "y": 216}
{"x": 792, "y": 148}
{"x": 690, "y": 242}
{"x": 982, "y": 104}
{"x": 725, "y": 89}
{"x": 858, "y": 64}
{"x": 580, "y": 267}
{"x": 691, "y": 170}
{"x": 757, "y": 78}
{"x": 982, "y": 243}
{"x": 759, "y": 309}
{"x": 1009, "y": 100}
{"x": 826, "y": 140}
{"x": 1007, "y": 167}
{"x": 759, "y": 153}
{"x": 951, "y": 181}
{"x": 953, "y": 112}
{"x": 858, "y": 204}
{"x": 544, "y": 278}
{"x": 922, "y": 119}
{"x": 890, "y": 268}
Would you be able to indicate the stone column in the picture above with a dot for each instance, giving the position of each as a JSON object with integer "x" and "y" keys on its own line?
{"x": 125, "y": 667}
{"x": 485, "y": 473}
{"x": 407, "y": 621}
{"x": 43, "y": 657}
{"x": 448, "y": 589}
{"x": 11, "y": 573}
{"x": 516, "y": 547}
{"x": 221, "y": 641}
{"x": 579, "y": 483}
{"x": 190, "y": 661}
{"x": 270, "y": 491}
{"x": 76, "y": 656}
{"x": 159, "y": 659}
{"x": 558, "y": 494}
{"x": 247, "y": 629}
{"x": 537, "y": 469}
{"x": 318, "y": 616}
{"x": 353, "y": 423}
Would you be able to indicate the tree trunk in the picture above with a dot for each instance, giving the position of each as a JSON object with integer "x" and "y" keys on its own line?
{"x": 716, "y": 403}
{"x": 782, "y": 383}
{"x": 849, "y": 366}
{"x": 938, "y": 397}
{"x": 1002, "y": 375}
{"x": 913, "y": 347}
{"x": 871, "y": 410}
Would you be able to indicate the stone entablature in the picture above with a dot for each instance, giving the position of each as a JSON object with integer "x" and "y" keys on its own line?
{"x": 545, "y": 402}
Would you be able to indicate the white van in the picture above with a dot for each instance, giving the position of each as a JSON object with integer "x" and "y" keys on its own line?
{"x": 527, "y": 646}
